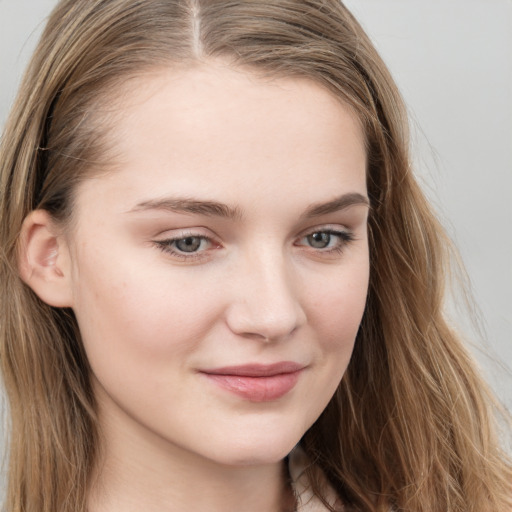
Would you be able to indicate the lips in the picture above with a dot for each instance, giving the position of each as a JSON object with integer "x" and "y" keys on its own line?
{"x": 256, "y": 382}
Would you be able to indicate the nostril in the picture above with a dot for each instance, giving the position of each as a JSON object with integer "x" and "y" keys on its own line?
{"x": 264, "y": 324}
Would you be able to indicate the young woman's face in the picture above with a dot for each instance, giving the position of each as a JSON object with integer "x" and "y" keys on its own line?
{"x": 220, "y": 274}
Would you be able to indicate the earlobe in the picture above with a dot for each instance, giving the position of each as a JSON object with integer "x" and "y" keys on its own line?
{"x": 43, "y": 259}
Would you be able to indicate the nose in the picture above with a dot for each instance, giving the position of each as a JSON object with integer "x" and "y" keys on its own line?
{"x": 265, "y": 301}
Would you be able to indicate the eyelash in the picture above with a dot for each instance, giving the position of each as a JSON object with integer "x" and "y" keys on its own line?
{"x": 344, "y": 239}
{"x": 168, "y": 245}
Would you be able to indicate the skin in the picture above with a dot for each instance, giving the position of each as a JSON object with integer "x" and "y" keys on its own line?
{"x": 257, "y": 287}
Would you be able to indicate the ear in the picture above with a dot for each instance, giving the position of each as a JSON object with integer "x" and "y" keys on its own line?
{"x": 44, "y": 261}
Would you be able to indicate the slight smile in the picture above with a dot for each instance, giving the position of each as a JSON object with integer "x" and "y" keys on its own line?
{"x": 257, "y": 382}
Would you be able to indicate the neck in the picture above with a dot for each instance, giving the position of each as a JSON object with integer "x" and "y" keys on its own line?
{"x": 144, "y": 472}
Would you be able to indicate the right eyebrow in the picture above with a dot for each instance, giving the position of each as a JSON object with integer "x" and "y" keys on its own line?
{"x": 192, "y": 206}
{"x": 337, "y": 204}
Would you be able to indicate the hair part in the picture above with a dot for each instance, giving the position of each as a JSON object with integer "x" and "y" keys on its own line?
{"x": 412, "y": 420}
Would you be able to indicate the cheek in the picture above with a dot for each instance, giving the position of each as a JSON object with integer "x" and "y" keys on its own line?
{"x": 131, "y": 312}
{"x": 334, "y": 319}
{"x": 338, "y": 310}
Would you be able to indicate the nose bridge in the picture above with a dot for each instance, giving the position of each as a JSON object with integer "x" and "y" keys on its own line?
{"x": 265, "y": 303}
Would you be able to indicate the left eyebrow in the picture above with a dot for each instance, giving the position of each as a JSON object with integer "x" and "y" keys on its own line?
{"x": 191, "y": 206}
{"x": 337, "y": 204}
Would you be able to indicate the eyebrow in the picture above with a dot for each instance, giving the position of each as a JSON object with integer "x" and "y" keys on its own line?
{"x": 217, "y": 209}
{"x": 189, "y": 205}
{"x": 337, "y": 204}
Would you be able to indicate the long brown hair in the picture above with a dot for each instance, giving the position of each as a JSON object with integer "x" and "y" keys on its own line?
{"x": 411, "y": 425}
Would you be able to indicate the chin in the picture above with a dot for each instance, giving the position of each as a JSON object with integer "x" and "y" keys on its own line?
{"x": 257, "y": 449}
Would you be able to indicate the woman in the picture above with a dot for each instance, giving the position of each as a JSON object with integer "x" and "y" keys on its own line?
{"x": 213, "y": 250}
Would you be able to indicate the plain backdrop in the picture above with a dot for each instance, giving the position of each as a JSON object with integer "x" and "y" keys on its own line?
{"x": 452, "y": 61}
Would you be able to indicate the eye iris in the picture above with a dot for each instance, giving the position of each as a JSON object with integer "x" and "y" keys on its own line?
{"x": 189, "y": 244}
{"x": 319, "y": 240}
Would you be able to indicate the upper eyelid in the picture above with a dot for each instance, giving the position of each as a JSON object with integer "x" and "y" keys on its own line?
{"x": 334, "y": 231}
{"x": 198, "y": 232}
{"x": 333, "y": 228}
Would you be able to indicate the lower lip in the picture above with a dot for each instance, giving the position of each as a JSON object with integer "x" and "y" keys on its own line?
{"x": 257, "y": 389}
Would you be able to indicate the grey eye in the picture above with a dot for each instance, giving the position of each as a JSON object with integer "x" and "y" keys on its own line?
{"x": 319, "y": 240}
{"x": 189, "y": 244}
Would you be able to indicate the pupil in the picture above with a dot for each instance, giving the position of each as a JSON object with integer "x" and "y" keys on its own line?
{"x": 189, "y": 244}
{"x": 319, "y": 240}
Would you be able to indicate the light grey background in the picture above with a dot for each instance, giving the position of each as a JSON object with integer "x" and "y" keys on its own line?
{"x": 452, "y": 60}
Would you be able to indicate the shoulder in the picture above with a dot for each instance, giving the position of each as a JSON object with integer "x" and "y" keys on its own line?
{"x": 307, "y": 501}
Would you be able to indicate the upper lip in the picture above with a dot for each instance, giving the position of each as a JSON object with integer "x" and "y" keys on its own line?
{"x": 256, "y": 369}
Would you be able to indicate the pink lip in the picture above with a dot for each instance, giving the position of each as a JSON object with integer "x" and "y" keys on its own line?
{"x": 257, "y": 382}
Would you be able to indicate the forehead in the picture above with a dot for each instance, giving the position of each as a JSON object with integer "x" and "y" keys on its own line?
{"x": 225, "y": 130}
